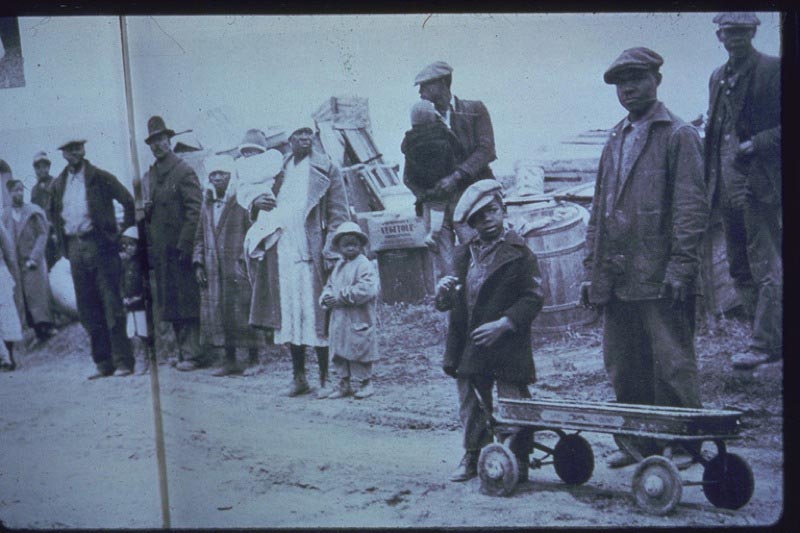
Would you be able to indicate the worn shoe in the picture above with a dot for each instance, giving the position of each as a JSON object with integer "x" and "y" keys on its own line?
{"x": 101, "y": 374}
{"x": 227, "y": 370}
{"x": 750, "y": 359}
{"x": 467, "y": 468}
{"x": 619, "y": 459}
{"x": 187, "y": 366}
{"x": 342, "y": 390}
{"x": 123, "y": 371}
{"x": 324, "y": 391}
{"x": 365, "y": 391}
{"x": 299, "y": 386}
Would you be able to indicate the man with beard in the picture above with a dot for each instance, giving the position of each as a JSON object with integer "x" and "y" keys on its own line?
{"x": 172, "y": 213}
{"x": 649, "y": 213}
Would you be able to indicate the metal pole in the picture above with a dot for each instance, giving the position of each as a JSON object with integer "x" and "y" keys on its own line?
{"x": 149, "y": 341}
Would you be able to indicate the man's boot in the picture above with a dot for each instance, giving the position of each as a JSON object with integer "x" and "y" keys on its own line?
{"x": 467, "y": 468}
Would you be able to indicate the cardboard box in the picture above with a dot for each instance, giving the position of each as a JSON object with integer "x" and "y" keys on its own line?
{"x": 389, "y": 230}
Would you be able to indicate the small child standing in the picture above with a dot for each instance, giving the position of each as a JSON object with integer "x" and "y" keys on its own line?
{"x": 133, "y": 274}
{"x": 350, "y": 294}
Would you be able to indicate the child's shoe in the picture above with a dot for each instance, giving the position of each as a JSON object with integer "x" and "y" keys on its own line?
{"x": 365, "y": 391}
{"x": 342, "y": 389}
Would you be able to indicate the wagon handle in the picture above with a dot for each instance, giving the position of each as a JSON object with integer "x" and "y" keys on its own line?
{"x": 490, "y": 420}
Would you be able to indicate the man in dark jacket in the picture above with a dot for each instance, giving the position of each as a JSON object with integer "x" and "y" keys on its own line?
{"x": 173, "y": 196}
{"x": 649, "y": 213}
{"x": 493, "y": 297}
{"x": 743, "y": 171}
{"x": 470, "y": 122}
{"x": 82, "y": 212}
{"x": 40, "y": 195}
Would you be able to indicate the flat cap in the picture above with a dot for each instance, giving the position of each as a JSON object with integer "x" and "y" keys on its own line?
{"x": 71, "y": 141}
{"x": 41, "y": 155}
{"x": 435, "y": 70}
{"x": 736, "y": 19}
{"x": 633, "y": 58}
{"x": 475, "y": 197}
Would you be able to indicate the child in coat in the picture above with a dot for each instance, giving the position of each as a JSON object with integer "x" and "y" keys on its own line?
{"x": 350, "y": 294}
{"x": 132, "y": 256}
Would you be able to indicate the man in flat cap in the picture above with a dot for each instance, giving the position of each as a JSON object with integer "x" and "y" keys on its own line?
{"x": 172, "y": 212}
{"x": 493, "y": 296}
{"x": 40, "y": 195}
{"x": 743, "y": 172}
{"x": 82, "y": 213}
{"x": 470, "y": 122}
{"x": 287, "y": 287}
{"x": 649, "y": 213}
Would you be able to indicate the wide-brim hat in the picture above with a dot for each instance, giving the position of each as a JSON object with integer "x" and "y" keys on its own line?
{"x": 71, "y": 141}
{"x": 434, "y": 71}
{"x": 349, "y": 228}
{"x": 640, "y": 58}
{"x": 477, "y": 196}
{"x": 156, "y": 126}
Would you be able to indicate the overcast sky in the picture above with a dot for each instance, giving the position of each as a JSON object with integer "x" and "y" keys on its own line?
{"x": 540, "y": 75}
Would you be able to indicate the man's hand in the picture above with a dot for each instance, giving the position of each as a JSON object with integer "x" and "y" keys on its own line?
{"x": 487, "y": 334}
{"x": 265, "y": 202}
{"x": 450, "y": 371}
{"x": 446, "y": 185}
{"x": 586, "y": 287}
{"x": 675, "y": 290}
{"x": 30, "y": 264}
{"x": 329, "y": 301}
{"x": 746, "y": 148}
{"x": 200, "y": 275}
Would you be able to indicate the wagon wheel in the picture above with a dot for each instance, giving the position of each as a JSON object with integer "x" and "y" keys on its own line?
{"x": 498, "y": 470}
{"x": 657, "y": 485}
{"x": 728, "y": 481}
{"x": 573, "y": 459}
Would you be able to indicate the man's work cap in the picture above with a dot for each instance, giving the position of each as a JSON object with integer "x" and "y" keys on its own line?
{"x": 728, "y": 20}
{"x": 69, "y": 142}
{"x": 434, "y": 71}
{"x": 40, "y": 156}
{"x": 633, "y": 58}
{"x": 477, "y": 195}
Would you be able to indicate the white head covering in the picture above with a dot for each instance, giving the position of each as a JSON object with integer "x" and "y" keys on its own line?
{"x": 220, "y": 163}
{"x": 132, "y": 232}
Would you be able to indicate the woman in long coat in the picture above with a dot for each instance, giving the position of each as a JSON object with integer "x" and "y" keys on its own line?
{"x": 10, "y": 326}
{"x": 224, "y": 289}
{"x": 29, "y": 235}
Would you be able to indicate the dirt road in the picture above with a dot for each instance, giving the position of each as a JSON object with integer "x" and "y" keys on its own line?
{"x": 80, "y": 454}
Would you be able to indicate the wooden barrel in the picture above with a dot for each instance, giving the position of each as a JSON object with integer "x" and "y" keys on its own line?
{"x": 556, "y": 233}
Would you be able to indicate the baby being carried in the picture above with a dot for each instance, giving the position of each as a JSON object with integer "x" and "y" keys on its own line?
{"x": 256, "y": 177}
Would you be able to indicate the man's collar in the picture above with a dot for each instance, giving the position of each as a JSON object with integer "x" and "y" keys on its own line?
{"x": 744, "y": 65}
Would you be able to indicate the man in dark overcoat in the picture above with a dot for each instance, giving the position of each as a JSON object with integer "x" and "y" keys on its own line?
{"x": 82, "y": 212}
{"x": 649, "y": 213}
{"x": 40, "y": 195}
{"x": 493, "y": 296}
{"x": 469, "y": 120}
{"x": 743, "y": 171}
{"x": 172, "y": 211}
{"x": 29, "y": 230}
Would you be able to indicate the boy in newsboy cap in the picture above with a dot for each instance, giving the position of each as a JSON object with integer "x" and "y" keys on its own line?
{"x": 493, "y": 297}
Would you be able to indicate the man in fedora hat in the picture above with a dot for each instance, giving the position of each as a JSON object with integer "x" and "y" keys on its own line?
{"x": 470, "y": 122}
{"x": 649, "y": 213}
{"x": 172, "y": 212}
{"x": 287, "y": 288}
{"x": 82, "y": 213}
{"x": 743, "y": 172}
{"x": 40, "y": 195}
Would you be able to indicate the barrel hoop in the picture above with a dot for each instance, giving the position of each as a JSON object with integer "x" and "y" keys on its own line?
{"x": 558, "y": 307}
{"x": 555, "y": 229}
{"x": 561, "y": 251}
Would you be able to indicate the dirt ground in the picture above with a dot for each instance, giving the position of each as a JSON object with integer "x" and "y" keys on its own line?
{"x": 80, "y": 454}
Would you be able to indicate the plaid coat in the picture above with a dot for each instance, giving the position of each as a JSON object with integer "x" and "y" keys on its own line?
{"x": 225, "y": 302}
